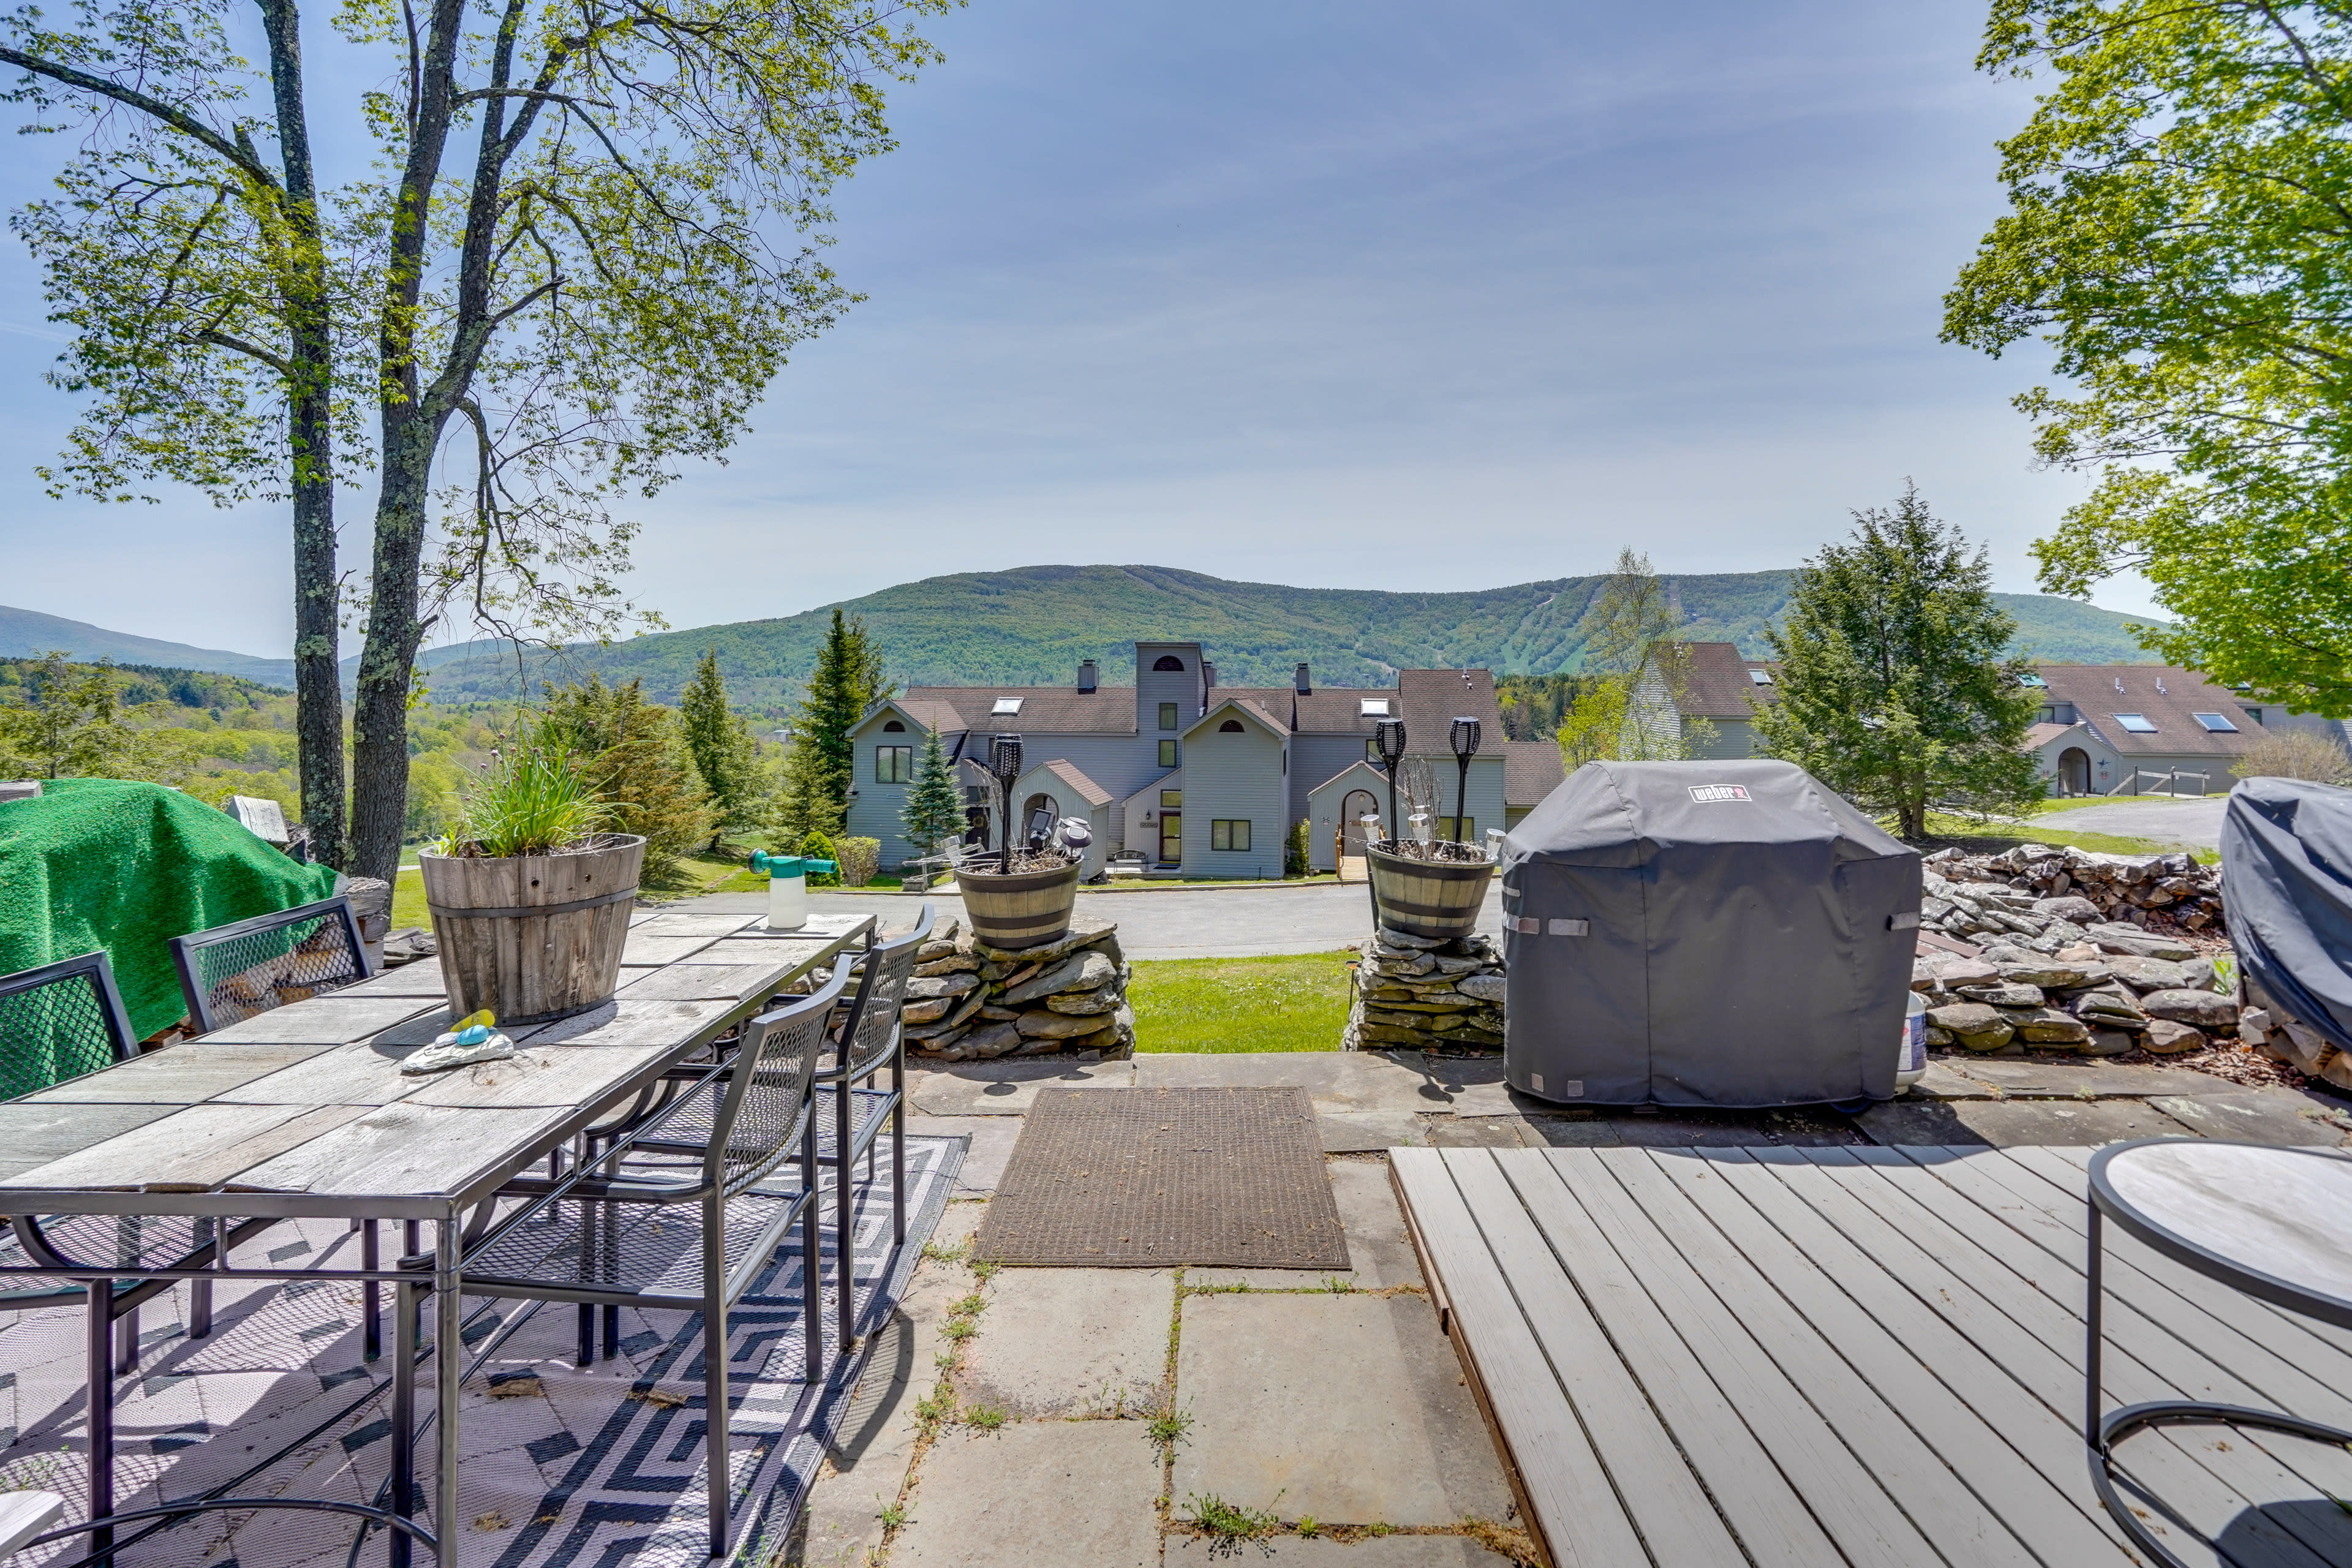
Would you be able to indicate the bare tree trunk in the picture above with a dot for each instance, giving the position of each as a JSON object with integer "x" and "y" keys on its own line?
{"x": 317, "y": 683}
{"x": 380, "y": 714}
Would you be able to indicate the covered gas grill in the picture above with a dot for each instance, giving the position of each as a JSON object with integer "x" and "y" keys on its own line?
{"x": 1729, "y": 933}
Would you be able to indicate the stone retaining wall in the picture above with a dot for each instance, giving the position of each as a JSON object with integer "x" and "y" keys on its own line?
{"x": 1425, "y": 995}
{"x": 969, "y": 1001}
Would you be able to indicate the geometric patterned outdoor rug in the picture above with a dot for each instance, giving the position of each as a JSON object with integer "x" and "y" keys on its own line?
{"x": 1151, "y": 1178}
{"x": 560, "y": 1465}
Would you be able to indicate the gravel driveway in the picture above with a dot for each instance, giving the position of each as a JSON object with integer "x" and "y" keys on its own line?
{"x": 2194, "y": 823}
{"x": 1176, "y": 922}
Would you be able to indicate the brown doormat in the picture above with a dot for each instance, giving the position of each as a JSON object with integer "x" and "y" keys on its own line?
{"x": 1150, "y": 1178}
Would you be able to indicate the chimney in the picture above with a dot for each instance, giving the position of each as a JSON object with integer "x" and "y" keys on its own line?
{"x": 1086, "y": 675}
{"x": 1208, "y": 675}
{"x": 1305, "y": 687}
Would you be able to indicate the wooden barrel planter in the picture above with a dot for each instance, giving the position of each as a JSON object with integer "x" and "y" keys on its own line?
{"x": 533, "y": 938}
{"x": 1431, "y": 898}
{"x": 1027, "y": 908}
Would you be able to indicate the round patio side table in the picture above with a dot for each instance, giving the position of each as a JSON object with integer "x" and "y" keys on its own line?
{"x": 2274, "y": 1223}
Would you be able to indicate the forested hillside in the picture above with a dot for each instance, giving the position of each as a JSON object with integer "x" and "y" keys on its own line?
{"x": 1033, "y": 626}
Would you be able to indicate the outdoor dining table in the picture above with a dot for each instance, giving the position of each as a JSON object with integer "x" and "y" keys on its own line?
{"x": 303, "y": 1113}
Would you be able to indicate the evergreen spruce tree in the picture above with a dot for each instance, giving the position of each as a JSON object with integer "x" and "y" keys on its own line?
{"x": 846, "y": 682}
{"x": 933, "y": 813}
{"x": 724, "y": 754}
{"x": 1893, "y": 688}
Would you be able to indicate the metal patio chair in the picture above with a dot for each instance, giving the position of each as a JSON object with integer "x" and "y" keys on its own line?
{"x": 869, "y": 1039}
{"x": 685, "y": 1213}
{"x": 231, "y": 972}
{"x": 59, "y": 1022}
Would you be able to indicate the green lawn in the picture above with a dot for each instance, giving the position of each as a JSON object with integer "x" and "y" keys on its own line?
{"x": 1297, "y": 1002}
{"x": 1991, "y": 838}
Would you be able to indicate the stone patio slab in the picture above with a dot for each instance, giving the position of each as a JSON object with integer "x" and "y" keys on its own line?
{"x": 2065, "y": 1079}
{"x": 1365, "y": 1132}
{"x": 2256, "y": 1116}
{"x": 1340, "y": 1082}
{"x": 1350, "y": 1409}
{"x": 1071, "y": 1342}
{"x": 1042, "y": 1494}
{"x": 1386, "y": 1551}
{"x": 1378, "y": 1246}
{"x": 2008, "y": 1122}
{"x": 1005, "y": 1088}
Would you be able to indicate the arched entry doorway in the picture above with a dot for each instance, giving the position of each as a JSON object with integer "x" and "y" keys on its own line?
{"x": 1359, "y": 804}
{"x": 2073, "y": 770}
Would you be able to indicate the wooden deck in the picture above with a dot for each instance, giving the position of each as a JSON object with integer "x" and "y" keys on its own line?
{"x": 1785, "y": 1357}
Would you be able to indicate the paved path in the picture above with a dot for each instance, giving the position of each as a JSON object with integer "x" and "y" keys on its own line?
{"x": 2194, "y": 823}
{"x": 1175, "y": 923}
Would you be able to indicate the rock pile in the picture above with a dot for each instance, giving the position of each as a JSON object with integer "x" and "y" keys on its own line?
{"x": 1425, "y": 995}
{"x": 969, "y": 1000}
{"x": 2050, "y": 897}
{"x": 2116, "y": 988}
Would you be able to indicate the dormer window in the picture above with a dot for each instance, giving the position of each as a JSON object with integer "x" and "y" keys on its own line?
{"x": 1005, "y": 707}
{"x": 1374, "y": 708}
{"x": 1168, "y": 661}
{"x": 894, "y": 728}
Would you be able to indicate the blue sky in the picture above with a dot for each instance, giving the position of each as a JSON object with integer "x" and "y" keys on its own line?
{"x": 1346, "y": 295}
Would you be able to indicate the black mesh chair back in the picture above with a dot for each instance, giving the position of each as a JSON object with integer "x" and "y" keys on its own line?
{"x": 766, "y": 1103}
{"x": 233, "y": 972}
{"x": 60, "y": 1021}
{"x": 873, "y": 1022}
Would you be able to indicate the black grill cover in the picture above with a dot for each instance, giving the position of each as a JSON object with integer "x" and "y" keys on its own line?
{"x": 1729, "y": 933}
{"x": 2286, "y": 881}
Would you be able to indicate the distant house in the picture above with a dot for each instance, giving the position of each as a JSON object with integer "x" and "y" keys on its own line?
{"x": 1717, "y": 685}
{"x": 1202, "y": 780}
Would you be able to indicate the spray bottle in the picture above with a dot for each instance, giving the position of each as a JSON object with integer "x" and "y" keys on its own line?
{"x": 788, "y": 907}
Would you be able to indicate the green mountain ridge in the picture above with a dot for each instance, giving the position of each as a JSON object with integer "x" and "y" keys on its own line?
{"x": 1030, "y": 627}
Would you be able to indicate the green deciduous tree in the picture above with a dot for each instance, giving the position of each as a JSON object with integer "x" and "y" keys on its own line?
{"x": 589, "y": 245}
{"x": 2179, "y": 231}
{"x": 70, "y": 723}
{"x": 636, "y": 752}
{"x": 1623, "y": 706}
{"x": 933, "y": 813}
{"x": 724, "y": 754}
{"x": 1893, "y": 688}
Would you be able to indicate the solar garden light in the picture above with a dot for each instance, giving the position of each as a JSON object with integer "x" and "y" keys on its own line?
{"x": 1388, "y": 738}
{"x": 1465, "y": 746}
{"x": 1004, "y": 764}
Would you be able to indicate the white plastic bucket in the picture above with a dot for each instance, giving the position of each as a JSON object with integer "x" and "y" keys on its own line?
{"x": 1911, "y": 1059}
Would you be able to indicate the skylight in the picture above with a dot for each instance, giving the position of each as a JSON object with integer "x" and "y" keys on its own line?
{"x": 1760, "y": 676}
{"x": 1006, "y": 705}
{"x": 1375, "y": 708}
{"x": 2217, "y": 722}
{"x": 2135, "y": 722}
{"x": 2031, "y": 680}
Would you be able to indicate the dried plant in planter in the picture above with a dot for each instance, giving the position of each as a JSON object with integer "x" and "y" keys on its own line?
{"x": 1417, "y": 789}
{"x": 1025, "y": 862}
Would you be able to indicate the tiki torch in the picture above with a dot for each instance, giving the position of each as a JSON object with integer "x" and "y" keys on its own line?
{"x": 1388, "y": 735}
{"x": 1005, "y": 763}
{"x": 1465, "y": 746}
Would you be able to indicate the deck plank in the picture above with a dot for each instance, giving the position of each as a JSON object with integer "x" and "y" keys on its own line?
{"x": 2017, "y": 1454}
{"x": 1951, "y": 1516}
{"x": 1867, "y": 1526}
{"x": 1575, "y": 1506}
{"x": 1772, "y": 1521}
{"x": 2177, "y": 1371}
{"x": 1652, "y": 1480}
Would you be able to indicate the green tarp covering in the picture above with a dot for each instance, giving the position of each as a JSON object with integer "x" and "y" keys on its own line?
{"x": 105, "y": 863}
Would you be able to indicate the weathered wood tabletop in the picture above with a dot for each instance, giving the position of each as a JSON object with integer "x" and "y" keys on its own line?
{"x": 306, "y": 1108}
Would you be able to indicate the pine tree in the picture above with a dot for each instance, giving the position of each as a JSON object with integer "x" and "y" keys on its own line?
{"x": 1893, "y": 688}
{"x": 639, "y": 760}
{"x": 725, "y": 755}
{"x": 933, "y": 813}
{"x": 846, "y": 682}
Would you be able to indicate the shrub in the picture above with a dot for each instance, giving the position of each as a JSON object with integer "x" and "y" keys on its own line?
{"x": 817, "y": 846}
{"x": 860, "y": 858}
{"x": 1294, "y": 850}
{"x": 2295, "y": 754}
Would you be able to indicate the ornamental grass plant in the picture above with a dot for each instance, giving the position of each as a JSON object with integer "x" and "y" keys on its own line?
{"x": 534, "y": 799}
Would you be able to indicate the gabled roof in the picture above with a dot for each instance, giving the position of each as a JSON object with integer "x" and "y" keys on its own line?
{"x": 2092, "y": 689}
{"x": 1234, "y": 703}
{"x": 1340, "y": 711}
{"x": 2041, "y": 735}
{"x": 1432, "y": 699}
{"x": 1531, "y": 770}
{"x": 1045, "y": 710}
{"x": 1088, "y": 790}
{"x": 1716, "y": 682}
{"x": 1375, "y": 777}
